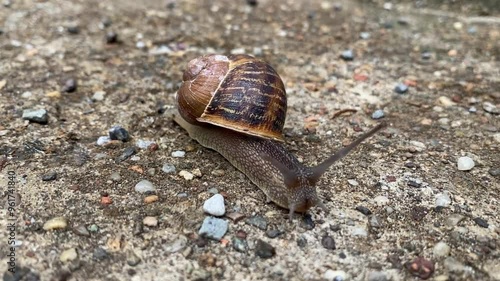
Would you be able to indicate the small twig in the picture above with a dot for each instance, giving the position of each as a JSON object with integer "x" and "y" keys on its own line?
{"x": 342, "y": 111}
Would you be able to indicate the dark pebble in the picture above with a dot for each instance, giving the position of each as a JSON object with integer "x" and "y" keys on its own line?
{"x": 1, "y": 31}
{"x": 106, "y": 22}
{"x": 410, "y": 165}
{"x": 241, "y": 234}
{"x": 328, "y": 242}
{"x": 418, "y": 213}
{"x": 439, "y": 209}
{"x": 111, "y": 37}
{"x": 388, "y": 25}
{"x": 420, "y": 267}
{"x": 99, "y": 254}
{"x": 301, "y": 242}
{"x": 342, "y": 255}
{"x": 257, "y": 221}
{"x": 69, "y": 86}
{"x": 273, "y": 233}
{"x": 264, "y": 250}
{"x": 201, "y": 242}
{"x": 171, "y": 5}
{"x": 481, "y": 222}
{"x": 307, "y": 222}
{"x": 73, "y": 29}
{"x": 252, "y": 3}
{"x": 335, "y": 227}
{"x": 347, "y": 55}
{"x": 240, "y": 245}
{"x": 129, "y": 151}
{"x": 401, "y": 88}
{"x": 365, "y": 211}
{"x": 426, "y": 55}
{"x": 49, "y": 176}
{"x": 403, "y": 21}
{"x": 413, "y": 183}
{"x": 119, "y": 133}
{"x": 494, "y": 172}
{"x": 138, "y": 228}
{"x": 81, "y": 230}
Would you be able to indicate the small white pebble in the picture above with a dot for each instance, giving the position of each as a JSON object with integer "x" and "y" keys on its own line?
{"x": 168, "y": 168}
{"x": 337, "y": 275}
{"x": 418, "y": 146}
{"x": 103, "y": 140}
{"x": 150, "y": 221}
{"x": 197, "y": 173}
{"x": 446, "y": 101}
{"x": 496, "y": 137}
{"x": 465, "y": 163}
{"x": 186, "y": 175}
{"x": 441, "y": 249}
{"x": 443, "y": 200}
{"x": 359, "y": 232}
{"x": 98, "y": 96}
{"x": 215, "y": 205}
{"x": 115, "y": 176}
{"x": 352, "y": 182}
{"x": 178, "y": 153}
{"x": 381, "y": 200}
{"x": 143, "y": 144}
{"x": 144, "y": 186}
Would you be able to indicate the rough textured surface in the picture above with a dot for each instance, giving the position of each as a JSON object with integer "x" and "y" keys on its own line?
{"x": 127, "y": 57}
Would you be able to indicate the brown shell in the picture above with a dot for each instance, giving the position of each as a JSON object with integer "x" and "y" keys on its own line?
{"x": 237, "y": 92}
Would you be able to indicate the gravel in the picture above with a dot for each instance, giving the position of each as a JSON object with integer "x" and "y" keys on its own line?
{"x": 401, "y": 88}
{"x": 264, "y": 250}
{"x": 257, "y": 221}
{"x": 144, "y": 186}
{"x": 328, "y": 242}
{"x": 347, "y": 55}
{"x": 215, "y": 206}
{"x": 168, "y": 168}
{"x": 364, "y": 210}
{"x": 178, "y": 153}
{"x": 465, "y": 163}
{"x": 447, "y": 71}
{"x": 213, "y": 228}
{"x": 481, "y": 222}
{"x": 36, "y": 115}
{"x": 103, "y": 140}
{"x": 117, "y": 132}
{"x": 378, "y": 114}
{"x": 442, "y": 200}
{"x": 50, "y": 176}
{"x": 98, "y": 96}
{"x": 441, "y": 249}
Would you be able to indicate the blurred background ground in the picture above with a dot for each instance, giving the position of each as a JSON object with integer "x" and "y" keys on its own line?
{"x": 400, "y": 197}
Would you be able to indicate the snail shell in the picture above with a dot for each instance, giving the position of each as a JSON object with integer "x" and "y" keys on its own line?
{"x": 237, "y": 92}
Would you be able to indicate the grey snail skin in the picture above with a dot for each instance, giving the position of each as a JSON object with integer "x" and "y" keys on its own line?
{"x": 236, "y": 105}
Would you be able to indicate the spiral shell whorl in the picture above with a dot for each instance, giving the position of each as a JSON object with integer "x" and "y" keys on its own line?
{"x": 237, "y": 92}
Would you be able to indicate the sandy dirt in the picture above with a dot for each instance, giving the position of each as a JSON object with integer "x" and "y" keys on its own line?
{"x": 398, "y": 198}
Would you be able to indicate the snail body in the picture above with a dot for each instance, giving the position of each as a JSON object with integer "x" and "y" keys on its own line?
{"x": 236, "y": 105}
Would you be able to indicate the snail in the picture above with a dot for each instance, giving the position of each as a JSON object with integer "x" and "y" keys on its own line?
{"x": 236, "y": 105}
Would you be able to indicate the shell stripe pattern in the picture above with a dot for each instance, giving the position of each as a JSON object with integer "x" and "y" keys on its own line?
{"x": 251, "y": 98}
